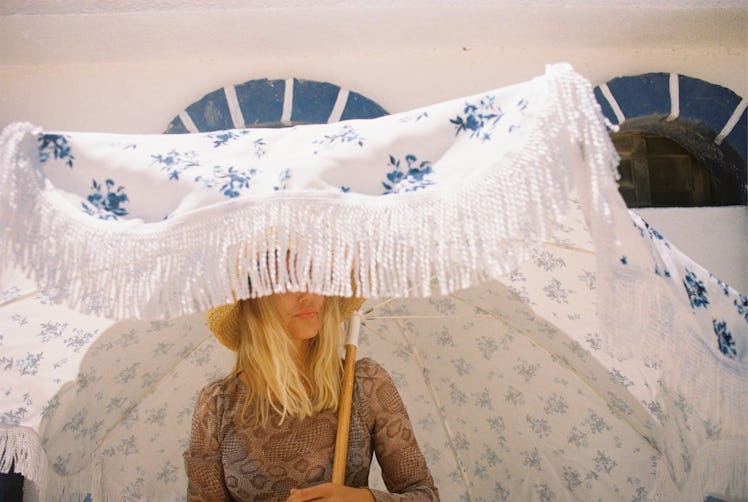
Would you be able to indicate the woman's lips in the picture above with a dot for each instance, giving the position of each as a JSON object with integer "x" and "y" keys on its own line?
{"x": 306, "y": 314}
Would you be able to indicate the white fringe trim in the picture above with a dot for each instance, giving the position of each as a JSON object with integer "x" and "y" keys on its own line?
{"x": 393, "y": 245}
{"x": 21, "y": 448}
{"x": 719, "y": 470}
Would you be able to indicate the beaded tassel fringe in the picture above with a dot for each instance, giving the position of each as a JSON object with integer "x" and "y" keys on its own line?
{"x": 358, "y": 245}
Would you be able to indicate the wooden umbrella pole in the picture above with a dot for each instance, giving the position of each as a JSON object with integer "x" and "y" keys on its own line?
{"x": 346, "y": 398}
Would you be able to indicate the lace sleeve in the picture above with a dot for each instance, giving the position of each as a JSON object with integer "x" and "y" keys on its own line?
{"x": 404, "y": 468}
{"x": 203, "y": 456}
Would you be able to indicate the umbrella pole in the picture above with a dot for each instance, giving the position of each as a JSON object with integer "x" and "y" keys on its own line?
{"x": 346, "y": 398}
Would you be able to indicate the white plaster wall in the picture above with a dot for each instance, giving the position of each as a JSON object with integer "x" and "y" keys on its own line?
{"x": 131, "y": 67}
{"x": 114, "y": 66}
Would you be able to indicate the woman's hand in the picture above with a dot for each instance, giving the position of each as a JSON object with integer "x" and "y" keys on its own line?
{"x": 331, "y": 492}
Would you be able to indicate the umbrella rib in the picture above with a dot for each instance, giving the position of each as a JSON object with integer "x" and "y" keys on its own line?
{"x": 573, "y": 370}
{"x": 570, "y": 248}
{"x": 380, "y": 337}
{"x": 143, "y": 394}
{"x": 445, "y": 425}
{"x": 19, "y": 298}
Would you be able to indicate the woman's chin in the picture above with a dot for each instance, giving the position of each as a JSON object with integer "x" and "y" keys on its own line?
{"x": 303, "y": 329}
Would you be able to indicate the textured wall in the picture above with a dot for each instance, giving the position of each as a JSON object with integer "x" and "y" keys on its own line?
{"x": 133, "y": 66}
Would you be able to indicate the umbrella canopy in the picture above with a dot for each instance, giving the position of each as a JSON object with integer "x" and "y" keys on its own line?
{"x": 521, "y": 401}
{"x": 542, "y": 368}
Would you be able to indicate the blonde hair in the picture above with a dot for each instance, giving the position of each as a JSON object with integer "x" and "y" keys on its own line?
{"x": 266, "y": 366}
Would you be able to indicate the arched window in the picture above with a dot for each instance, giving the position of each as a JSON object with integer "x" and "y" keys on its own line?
{"x": 273, "y": 103}
{"x": 682, "y": 140}
{"x": 658, "y": 172}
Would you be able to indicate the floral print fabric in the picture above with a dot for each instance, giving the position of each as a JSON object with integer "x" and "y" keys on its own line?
{"x": 515, "y": 388}
{"x": 508, "y": 387}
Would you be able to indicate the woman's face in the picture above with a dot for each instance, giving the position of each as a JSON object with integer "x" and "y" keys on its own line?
{"x": 300, "y": 313}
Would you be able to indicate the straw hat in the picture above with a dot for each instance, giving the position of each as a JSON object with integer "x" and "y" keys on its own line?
{"x": 223, "y": 321}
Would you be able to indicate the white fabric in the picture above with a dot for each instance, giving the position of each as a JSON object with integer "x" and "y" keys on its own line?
{"x": 574, "y": 354}
{"x": 452, "y": 191}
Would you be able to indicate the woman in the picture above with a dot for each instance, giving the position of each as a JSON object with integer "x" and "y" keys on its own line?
{"x": 267, "y": 431}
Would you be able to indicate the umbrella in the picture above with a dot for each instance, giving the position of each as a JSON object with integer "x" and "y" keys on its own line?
{"x": 503, "y": 273}
{"x": 78, "y": 360}
{"x": 529, "y": 404}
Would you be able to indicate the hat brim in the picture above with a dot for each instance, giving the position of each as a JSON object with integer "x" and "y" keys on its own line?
{"x": 223, "y": 321}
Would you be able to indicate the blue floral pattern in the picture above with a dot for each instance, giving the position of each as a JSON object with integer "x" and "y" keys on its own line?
{"x": 55, "y": 146}
{"x": 346, "y": 134}
{"x": 725, "y": 340}
{"x": 695, "y": 290}
{"x": 414, "y": 175}
{"x": 106, "y": 205}
{"x": 175, "y": 163}
{"x": 260, "y": 147}
{"x": 479, "y": 119}
{"x": 221, "y": 138}
{"x": 519, "y": 402}
{"x": 231, "y": 180}
{"x": 283, "y": 178}
{"x": 250, "y": 162}
{"x": 741, "y": 303}
{"x": 713, "y": 302}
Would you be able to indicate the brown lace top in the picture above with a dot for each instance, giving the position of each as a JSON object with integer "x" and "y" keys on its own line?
{"x": 228, "y": 461}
